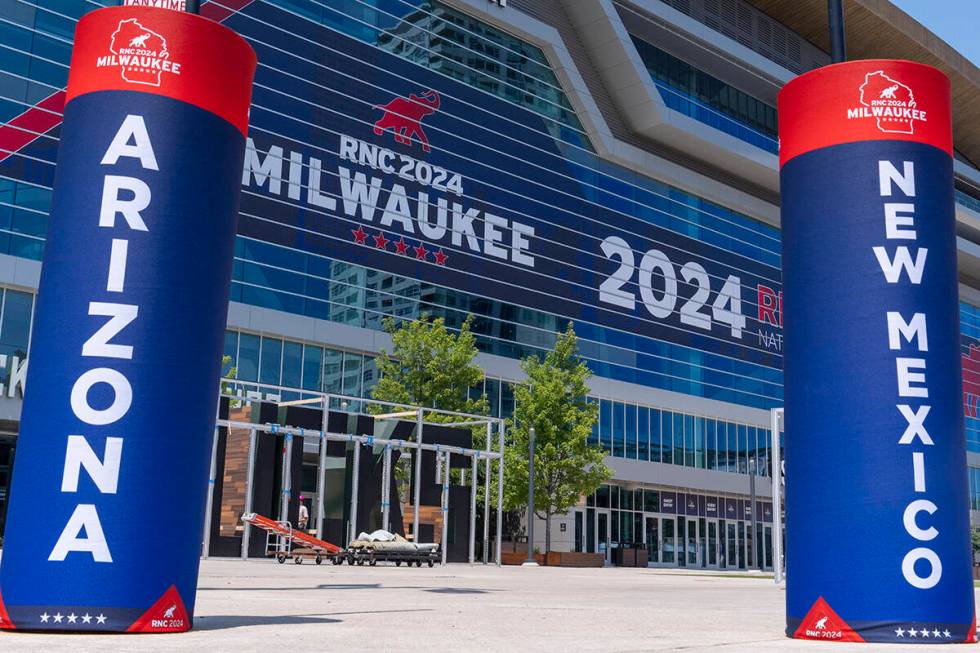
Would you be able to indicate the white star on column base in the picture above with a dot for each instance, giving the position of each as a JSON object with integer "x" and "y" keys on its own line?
{"x": 100, "y": 619}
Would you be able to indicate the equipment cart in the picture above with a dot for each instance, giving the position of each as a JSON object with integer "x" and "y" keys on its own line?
{"x": 284, "y": 542}
{"x": 397, "y": 550}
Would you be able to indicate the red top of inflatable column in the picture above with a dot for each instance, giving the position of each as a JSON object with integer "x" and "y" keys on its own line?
{"x": 170, "y": 53}
{"x": 871, "y": 100}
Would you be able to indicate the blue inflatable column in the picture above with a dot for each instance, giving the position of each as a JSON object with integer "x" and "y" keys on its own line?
{"x": 877, "y": 512}
{"x": 107, "y": 506}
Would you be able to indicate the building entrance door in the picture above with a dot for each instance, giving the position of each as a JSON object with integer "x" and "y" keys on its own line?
{"x": 712, "y": 543}
{"x": 668, "y": 544}
{"x": 731, "y": 541}
{"x": 652, "y": 539}
{"x": 602, "y": 534}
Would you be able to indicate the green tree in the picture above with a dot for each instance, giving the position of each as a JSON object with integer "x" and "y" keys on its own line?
{"x": 975, "y": 537}
{"x": 553, "y": 401}
{"x": 430, "y": 366}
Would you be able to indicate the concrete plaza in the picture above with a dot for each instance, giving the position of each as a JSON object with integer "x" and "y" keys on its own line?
{"x": 264, "y": 606}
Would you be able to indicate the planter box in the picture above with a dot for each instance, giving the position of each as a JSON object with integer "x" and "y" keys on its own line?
{"x": 555, "y": 559}
{"x": 629, "y": 557}
{"x": 519, "y": 558}
{"x": 573, "y": 559}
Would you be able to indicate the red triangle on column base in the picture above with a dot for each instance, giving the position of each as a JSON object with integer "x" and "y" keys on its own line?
{"x": 822, "y": 623}
{"x": 5, "y": 622}
{"x": 971, "y": 636}
{"x": 167, "y": 615}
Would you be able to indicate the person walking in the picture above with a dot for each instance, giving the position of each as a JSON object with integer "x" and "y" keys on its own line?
{"x": 304, "y": 514}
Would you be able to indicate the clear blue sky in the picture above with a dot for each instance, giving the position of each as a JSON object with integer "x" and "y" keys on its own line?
{"x": 955, "y": 21}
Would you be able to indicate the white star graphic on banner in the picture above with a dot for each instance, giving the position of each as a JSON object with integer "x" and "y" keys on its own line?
{"x": 925, "y": 632}
{"x": 72, "y": 618}
{"x": 936, "y": 633}
{"x": 100, "y": 619}
{"x": 900, "y": 632}
{"x": 947, "y": 634}
{"x": 913, "y": 632}
{"x": 86, "y": 618}
{"x": 45, "y": 617}
{"x": 58, "y": 618}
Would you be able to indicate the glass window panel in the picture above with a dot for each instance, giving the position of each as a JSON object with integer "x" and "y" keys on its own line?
{"x": 292, "y": 364}
{"x": 248, "y": 357}
{"x": 229, "y": 351}
{"x": 667, "y": 435}
{"x": 689, "y": 452}
{"x": 678, "y": 439}
{"x": 743, "y": 449}
{"x": 619, "y": 432}
{"x": 711, "y": 447}
{"x": 312, "y": 361}
{"x": 369, "y": 375}
{"x": 506, "y": 400}
{"x": 632, "y": 434}
{"x": 352, "y": 375}
{"x": 643, "y": 432}
{"x": 601, "y": 497}
{"x": 271, "y": 361}
{"x": 15, "y": 331}
{"x": 493, "y": 396}
{"x": 333, "y": 363}
{"x": 605, "y": 424}
{"x": 655, "y": 437}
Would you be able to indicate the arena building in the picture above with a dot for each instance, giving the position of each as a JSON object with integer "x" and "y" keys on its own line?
{"x": 612, "y": 163}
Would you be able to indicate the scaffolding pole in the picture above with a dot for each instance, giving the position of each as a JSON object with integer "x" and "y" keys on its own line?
{"x": 445, "y": 505}
{"x": 386, "y": 488}
{"x": 777, "y": 496}
{"x": 287, "y": 477}
{"x": 486, "y": 513}
{"x": 355, "y": 473}
{"x": 475, "y": 461}
{"x": 500, "y": 492}
{"x": 211, "y": 483}
{"x": 249, "y": 480}
{"x": 321, "y": 476}
{"x": 418, "y": 478}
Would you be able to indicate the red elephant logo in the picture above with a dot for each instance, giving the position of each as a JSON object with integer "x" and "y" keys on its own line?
{"x": 403, "y": 116}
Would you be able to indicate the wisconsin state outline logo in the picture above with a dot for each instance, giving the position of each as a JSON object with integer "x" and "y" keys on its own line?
{"x": 891, "y": 103}
{"x": 140, "y": 53}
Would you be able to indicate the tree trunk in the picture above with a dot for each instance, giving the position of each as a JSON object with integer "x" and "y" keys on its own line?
{"x": 547, "y": 533}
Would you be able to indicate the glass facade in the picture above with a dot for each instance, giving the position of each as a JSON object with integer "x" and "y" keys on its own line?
{"x": 297, "y": 281}
{"x": 970, "y": 356}
{"x": 680, "y": 529}
{"x": 974, "y": 488}
{"x": 624, "y": 430}
{"x": 707, "y": 99}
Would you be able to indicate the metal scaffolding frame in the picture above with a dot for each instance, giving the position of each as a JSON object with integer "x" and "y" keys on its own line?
{"x": 323, "y": 401}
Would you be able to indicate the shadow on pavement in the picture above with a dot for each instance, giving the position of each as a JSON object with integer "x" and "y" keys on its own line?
{"x": 354, "y": 586}
{"x": 224, "y": 622}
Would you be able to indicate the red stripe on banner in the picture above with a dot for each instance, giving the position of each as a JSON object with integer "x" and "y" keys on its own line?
{"x": 44, "y": 116}
{"x": 5, "y": 622}
{"x": 823, "y": 624}
{"x": 30, "y": 125}
{"x": 167, "y": 615}
{"x": 873, "y": 100}
{"x": 172, "y": 54}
